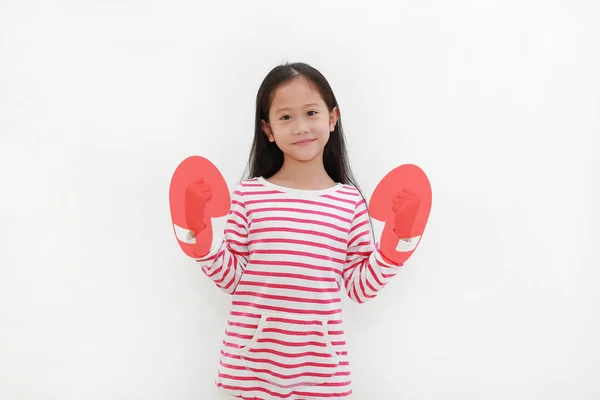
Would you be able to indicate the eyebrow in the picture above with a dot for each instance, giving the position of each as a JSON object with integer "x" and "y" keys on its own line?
{"x": 306, "y": 105}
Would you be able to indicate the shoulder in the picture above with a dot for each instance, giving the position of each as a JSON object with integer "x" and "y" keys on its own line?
{"x": 246, "y": 186}
{"x": 352, "y": 191}
{"x": 350, "y": 195}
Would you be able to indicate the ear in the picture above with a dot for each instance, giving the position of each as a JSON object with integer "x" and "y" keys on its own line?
{"x": 334, "y": 116}
{"x": 267, "y": 130}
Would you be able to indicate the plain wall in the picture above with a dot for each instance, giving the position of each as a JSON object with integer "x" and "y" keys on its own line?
{"x": 498, "y": 102}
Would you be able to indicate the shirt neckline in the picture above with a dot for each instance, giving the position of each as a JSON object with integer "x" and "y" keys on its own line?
{"x": 311, "y": 192}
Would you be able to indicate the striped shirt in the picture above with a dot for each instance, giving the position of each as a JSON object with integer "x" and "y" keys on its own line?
{"x": 285, "y": 257}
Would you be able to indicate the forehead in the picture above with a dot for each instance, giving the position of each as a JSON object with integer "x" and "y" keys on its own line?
{"x": 295, "y": 95}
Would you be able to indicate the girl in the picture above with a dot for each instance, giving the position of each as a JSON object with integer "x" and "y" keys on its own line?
{"x": 298, "y": 233}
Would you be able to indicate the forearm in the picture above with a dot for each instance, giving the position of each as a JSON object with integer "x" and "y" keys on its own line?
{"x": 223, "y": 265}
{"x": 368, "y": 275}
{"x": 225, "y": 259}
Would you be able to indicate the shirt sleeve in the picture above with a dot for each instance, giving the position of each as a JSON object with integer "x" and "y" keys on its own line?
{"x": 225, "y": 262}
{"x": 366, "y": 271}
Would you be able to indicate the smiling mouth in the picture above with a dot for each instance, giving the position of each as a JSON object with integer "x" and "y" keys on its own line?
{"x": 304, "y": 142}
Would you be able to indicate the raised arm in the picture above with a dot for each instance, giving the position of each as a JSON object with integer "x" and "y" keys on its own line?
{"x": 225, "y": 262}
{"x": 366, "y": 271}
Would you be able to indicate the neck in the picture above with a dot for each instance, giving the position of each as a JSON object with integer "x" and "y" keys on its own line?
{"x": 304, "y": 175}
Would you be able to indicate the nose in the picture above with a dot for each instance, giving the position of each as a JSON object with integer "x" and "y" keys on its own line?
{"x": 301, "y": 126}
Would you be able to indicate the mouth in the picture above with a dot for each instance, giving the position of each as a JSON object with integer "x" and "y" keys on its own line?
{"x": 304, "y": 142}
{"x": 184, "y": 235}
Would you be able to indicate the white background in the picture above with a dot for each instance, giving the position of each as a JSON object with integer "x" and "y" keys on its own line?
{"x": 498, "y": 102}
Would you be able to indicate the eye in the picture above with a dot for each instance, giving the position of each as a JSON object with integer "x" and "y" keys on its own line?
{"x": 284, "y": 117}
{"x": 312, "y": 112}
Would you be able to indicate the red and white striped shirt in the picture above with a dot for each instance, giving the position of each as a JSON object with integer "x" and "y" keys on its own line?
{"x": 285, "y": 257}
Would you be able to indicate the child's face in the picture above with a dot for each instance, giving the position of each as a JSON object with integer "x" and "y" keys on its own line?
{"x": 300, "y": 122}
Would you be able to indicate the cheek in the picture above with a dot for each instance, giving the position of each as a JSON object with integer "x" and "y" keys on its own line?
{"x": 277, "y": 135}
{"x": 324, "y": 131}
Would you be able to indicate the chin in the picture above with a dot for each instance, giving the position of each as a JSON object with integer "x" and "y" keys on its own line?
{"x": 305, "y": 157}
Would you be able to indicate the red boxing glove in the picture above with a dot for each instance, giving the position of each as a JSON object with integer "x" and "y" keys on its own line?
{"x": 196, "y": 197}
{"x": 197, "y": 194}
{"x": 401, "y": 200}
{"x": 405, "y": 207}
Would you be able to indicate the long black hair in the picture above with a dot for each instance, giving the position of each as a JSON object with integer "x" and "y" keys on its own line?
{"x": 265, "y": 157}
